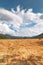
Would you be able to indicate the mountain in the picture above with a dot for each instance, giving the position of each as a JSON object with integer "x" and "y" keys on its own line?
{"x": 39, "y": 36}
{"x": 3, "y": 36}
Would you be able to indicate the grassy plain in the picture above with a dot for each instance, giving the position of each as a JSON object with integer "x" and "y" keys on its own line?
{"x": 21, "y": 51}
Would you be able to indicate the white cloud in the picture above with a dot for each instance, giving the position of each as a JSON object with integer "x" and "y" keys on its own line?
{"x": 4, "y": 29}
{"x": 10, "y": 17}
{"x": 21, "y": 22}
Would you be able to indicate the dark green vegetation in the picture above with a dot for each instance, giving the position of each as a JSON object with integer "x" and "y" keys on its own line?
{"x": 39, "y": 36}
{"x": 2, "y": 36}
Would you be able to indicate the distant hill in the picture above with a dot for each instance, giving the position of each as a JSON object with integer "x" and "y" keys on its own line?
{"x": 3, "y": 36}
{"x": 39, "y": 36}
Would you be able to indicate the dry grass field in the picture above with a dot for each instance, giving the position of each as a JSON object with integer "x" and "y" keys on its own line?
{"x": 21, "y": 51}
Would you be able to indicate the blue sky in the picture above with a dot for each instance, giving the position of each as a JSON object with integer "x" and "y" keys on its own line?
{"x": 37, "y": 5}
{"x": 21, "y": 17}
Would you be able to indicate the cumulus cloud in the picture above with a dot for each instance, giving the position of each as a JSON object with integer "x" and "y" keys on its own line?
{"x": 4, "y": 29}
{"x": 21, "y": 22}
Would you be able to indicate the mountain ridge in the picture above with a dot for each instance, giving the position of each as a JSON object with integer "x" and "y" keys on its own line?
{"x": 5, "y": 36}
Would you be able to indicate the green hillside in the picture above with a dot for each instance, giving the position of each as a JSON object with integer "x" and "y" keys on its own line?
{"x": 39, "y": 36}
{"x": 2, "y": 36}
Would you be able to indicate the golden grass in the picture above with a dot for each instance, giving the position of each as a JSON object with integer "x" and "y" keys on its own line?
{"x": 21, "y": 52}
